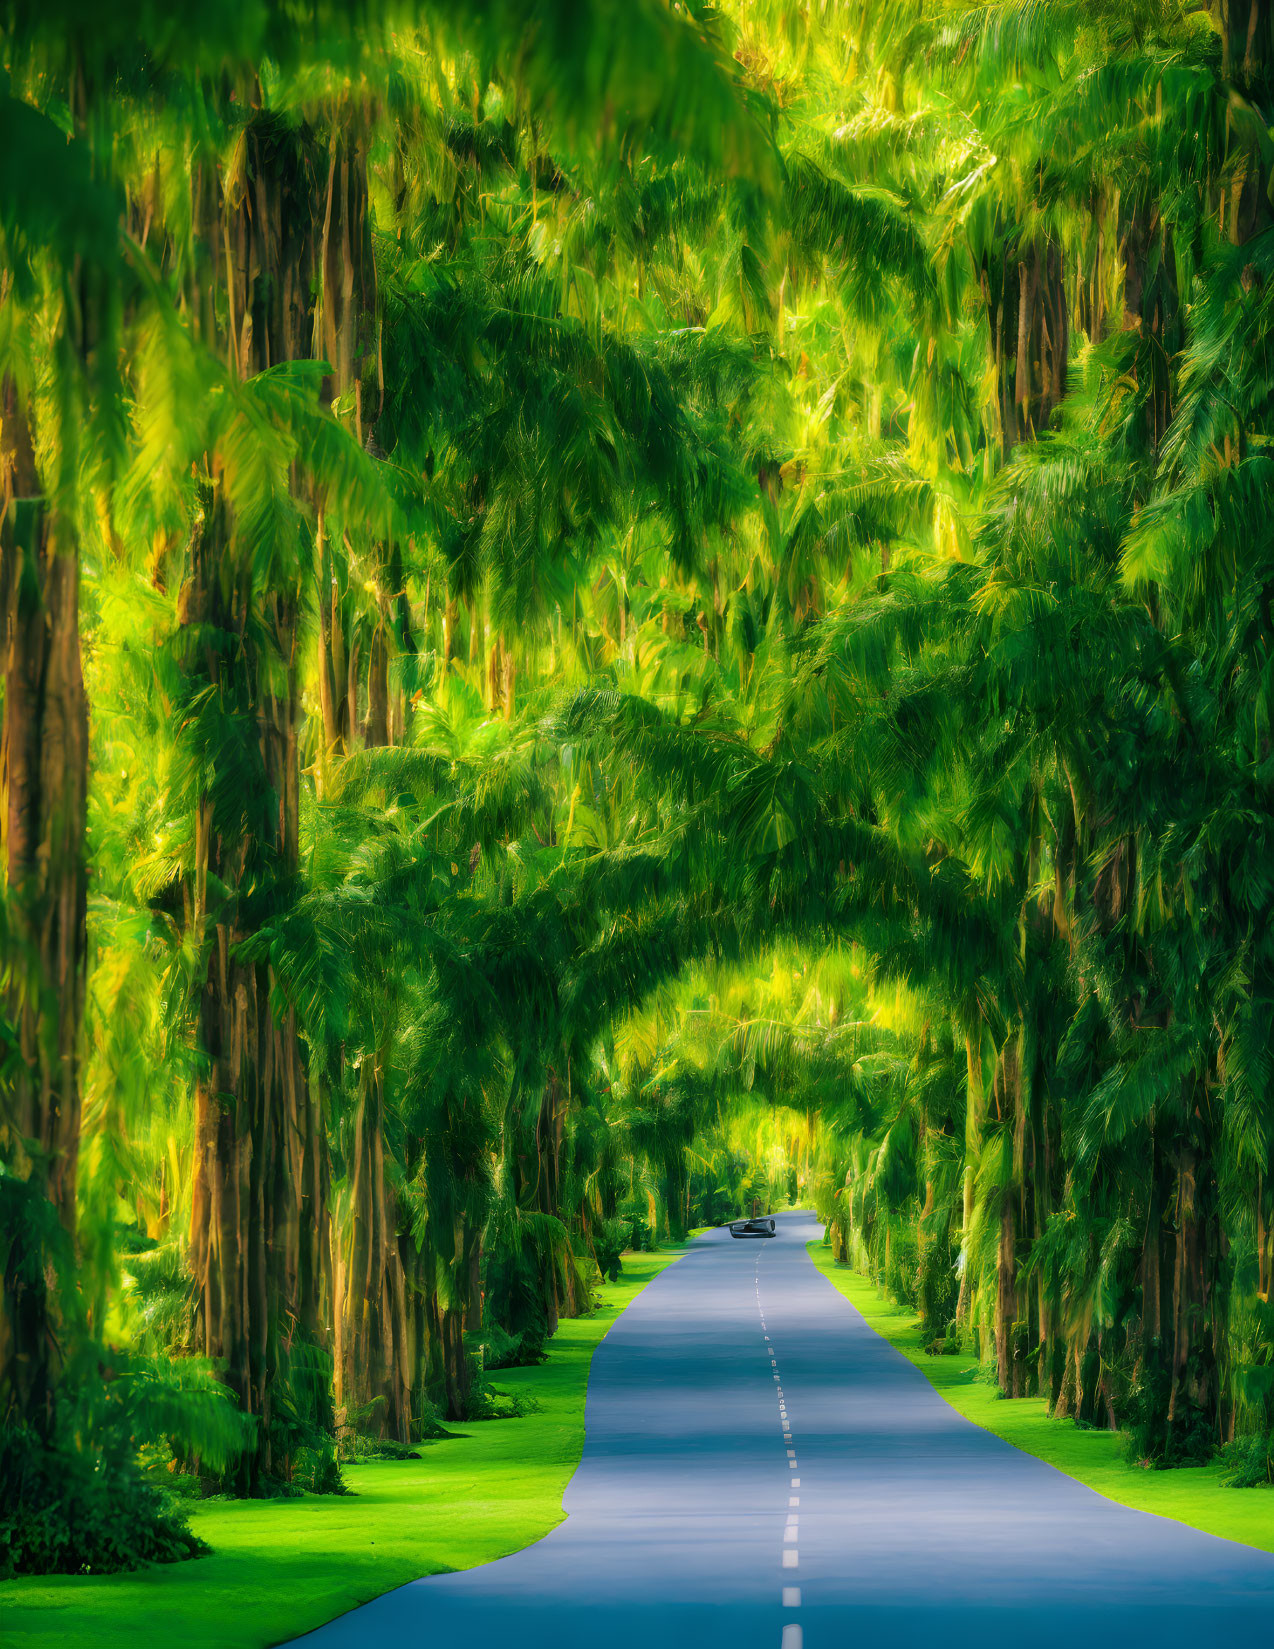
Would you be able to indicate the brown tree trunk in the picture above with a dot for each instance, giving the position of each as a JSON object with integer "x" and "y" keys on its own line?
{"x": 43, "y": 787}
{"x": 972, "y": 1145}
{"x": 284, "y": 225}
{"x": 1008, "y": 1363}
{"x": 456, "y": 1371}
{"x": 463, "y": 1314}
{"x": 256, "y": 1252}
{"x": 378, "y": 688}
{"x": 345, "y": 336}
{"x": 1194, "y": 1392}
{"x": 549, "y": 1128}
{"x": 379, "y": 1371}
{"x": 1045, "y": 1375}
{"x": 333, "y": 657}
{"x": 1006, "y": 1293}
{"x": 1151, "y": 1271}
{"x": 836, "y": 1232}
{"x": 1025, "y": 304}
{"x": 375, "y": 1381}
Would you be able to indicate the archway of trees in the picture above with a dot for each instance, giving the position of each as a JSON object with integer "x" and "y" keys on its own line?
{"x": 610, "y": 611}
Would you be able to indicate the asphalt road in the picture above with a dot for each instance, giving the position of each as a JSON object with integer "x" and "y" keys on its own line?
{"x": 762, "y": 1471}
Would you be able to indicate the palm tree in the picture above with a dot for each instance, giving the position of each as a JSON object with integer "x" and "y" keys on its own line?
{"x": 670, "y": 605}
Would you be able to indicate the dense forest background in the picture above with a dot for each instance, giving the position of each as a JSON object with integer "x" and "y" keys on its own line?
{"x": 613, "y": 610}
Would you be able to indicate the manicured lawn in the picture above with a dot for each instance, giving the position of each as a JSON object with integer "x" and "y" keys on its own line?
{"x": 1195, "y": 1495}
{"x": 282, "y": 1567}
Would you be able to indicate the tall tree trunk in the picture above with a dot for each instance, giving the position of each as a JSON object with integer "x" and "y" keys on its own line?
{"x": 1006, "y": 1292}
{"x": 283, "y": 249}
{"x": 1008, "y": 1371}
{"x": 376, "y": 1376}
{"x": 1025, "y": 305}
{"x": 1194, "y": 1398}
{"x": 380, "y": 1369}
{"x": 254, "y": 1259}
{"x": 562, "y": 1287}
{"x": 43, "y": 787}
{"x": 972, "y": 1145}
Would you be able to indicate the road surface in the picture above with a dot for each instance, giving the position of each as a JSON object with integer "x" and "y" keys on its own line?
{"x": 762, "y": 1471}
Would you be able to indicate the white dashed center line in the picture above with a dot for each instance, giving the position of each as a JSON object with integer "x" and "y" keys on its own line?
{"x": 793, "y": 1636}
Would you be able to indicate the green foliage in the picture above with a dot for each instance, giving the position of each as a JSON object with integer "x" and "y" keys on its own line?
{"x": 675, "y": 617}
{"x": 81, "y": 1500}
{"x": 363, "y": 1449}
{"x": 615, "y": 1235}
{"x": 70, "y": 1510}
{"x": 1249, "y": 1462}
{"x": 500, "y": 1349}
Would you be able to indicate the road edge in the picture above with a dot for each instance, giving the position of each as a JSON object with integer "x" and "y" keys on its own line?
{"x": 1193, "y": 1496}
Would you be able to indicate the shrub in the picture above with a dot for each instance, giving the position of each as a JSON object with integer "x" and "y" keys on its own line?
{"x": 365, "y": 1449}
{"x": 317, "y": 1470}
{"x": 95, "y": 1494}
{"x": 1189, "y": 1440}
{"x": 613, "y": 1237}
{"x": 500, "y": 1349}
{"x": 68, "y": 1509}
{"x": 1249, "y": 1462}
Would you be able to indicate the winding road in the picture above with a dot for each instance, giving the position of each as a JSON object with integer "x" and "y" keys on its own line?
{"x": 762, "y": 1471}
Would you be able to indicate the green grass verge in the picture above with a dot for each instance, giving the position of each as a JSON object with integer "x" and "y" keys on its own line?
{"x": 282, "y": 1567}
{"x": 1194, "y": 1495}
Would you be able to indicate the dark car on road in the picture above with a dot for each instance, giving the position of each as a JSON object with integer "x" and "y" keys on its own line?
{"x": 763, "y": 1227}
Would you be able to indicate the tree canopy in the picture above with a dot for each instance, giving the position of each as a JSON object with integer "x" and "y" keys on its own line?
{"x": 614, "y": 612}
